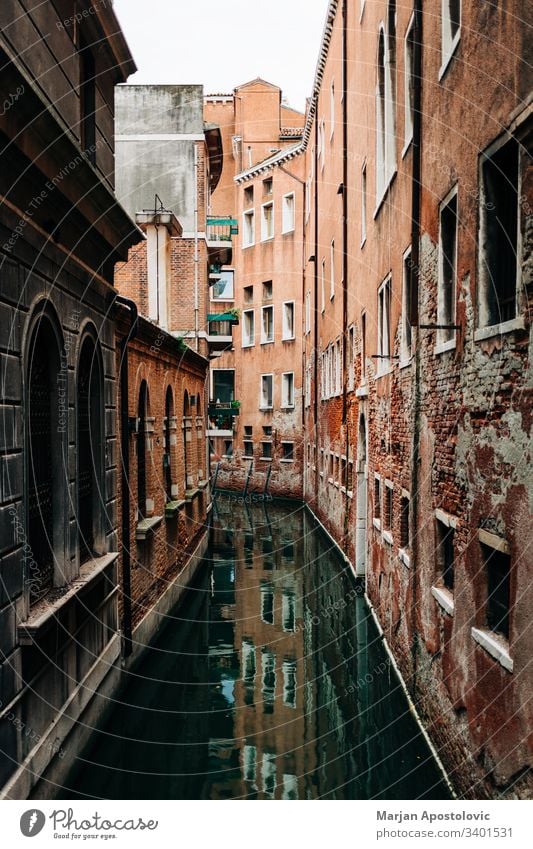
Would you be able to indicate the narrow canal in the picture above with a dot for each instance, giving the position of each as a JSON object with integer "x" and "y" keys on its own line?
{"x": 268, "y": 682}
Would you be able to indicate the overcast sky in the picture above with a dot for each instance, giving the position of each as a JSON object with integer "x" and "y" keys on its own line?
{"x": 222, "y": 43}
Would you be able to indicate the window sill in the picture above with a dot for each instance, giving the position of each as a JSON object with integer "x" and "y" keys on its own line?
{"x": 499, "y": 329}
{"x": 267, "y": 239}
{"x": 43, "y": 613}
{"x": 266, "y": 459}
{"x": 405, "y": 363}
{"x": 442, "y": 347}
{"x": 286, "y": 460}
{"x": 267, "y": 341}
{"x": 349, "y": 493}
{"x": 387, "y": 537}
{"x": 361, "y": 392}
{"x": 248, "y": 344}
{"x": 288, "y": 232}
{"x": 377, "y": 524}
{"x": 384, "y": 373}
{"x": 172, "y": 508}
{"x": 203, "y": 484}
{"x": 363, "y": 243}
{"x": 146, "y": 528}
{"x": 251, "y": 245}
{"x": 448, "y": 58}
{"x": 385, "y": 192}
{"x": 265, "y": 409}
{"x": 404, "y": 557}
{"x": 444, "y": 599}
{"x": 288, "y": 338}
{"x": 406, "y": 147}
{"x": 287, "y": 407}
{"x": 497, "y": 647}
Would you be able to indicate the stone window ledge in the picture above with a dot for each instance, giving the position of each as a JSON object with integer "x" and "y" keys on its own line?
{"x": 499, "y": 329}
{"x": 203, "y": 484}
{"x": 192, "y": 493}
{"x": 172, "y": 508}
{"x": 403, "y": 554}
{"x": 377, "y": 524}
{"x": 146, "y": 527}
{"x": 361, "y": 392}
{"x": 444, "y": 598}
{"x": 495, "y": 645}
{"x": 387, "y": 537}
{"x": 442, "y": 347}
{"x": 41, "y": 615}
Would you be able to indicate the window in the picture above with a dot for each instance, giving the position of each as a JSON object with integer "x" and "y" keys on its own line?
{"x": 363, "y": 204}
{"x": 228, "y": 448}
{"x": 308, "y": 312}
{"x": 167, "y": 457}
{"x": 332, "y": 270}
{"x": 288, "y": 611}
{"x": 322, "y": 143}
{"x": 406, "y": 338}
{"x": 248, "y": 237}
{"x": 380, "y": 119}
{"x": 248, "y": 195}
{"x": 267, "y": 186}
{"x": 447, "y": 284}
{"x": 377, "y": 498}
{"x": 88, "y": 101}
{"x": 267, "y": 291}
{"x": 451, "y": 30}
{"x": 287, "y": 389}
{"x": 332, "y": 109}
{"x": 445, "y": 554}
{"x": 223, "y": 385}
{"x": 267, "y": 221}
{"x": 248, "y": 449}
{"x": 337, "y": 368}
{"x": 288, "y": 320}
{"x": 404, "y": 522}
{"x": 248, "y": 294}
{"x": 266, "y": 399}
{"x": 385, "y": 106}
{"x": 351, "y": 359}
{"x": 267, "y": 430}
{"x": 248, "y": 328}
{"x": 289, "y": 684}
{"x": 288, "y": 213}
{"x": 499, "y": 216}
{"x": 266, "y": 448}
{"x": 267, "y": 602}
{"x": 388, "y": 507}
{"x": 363, "y": 347}
{"x": 323, "y": 285}
{"x": 142, "y": 412}
{"x": 409, "y": 82}
{"x": 223, "y": 289}
{"x": 248, "y": 430}
{"x": 384, "y": 327}
{"x": 287, "y": 449}
{"x": 498, "y": 570}
{"x": 267, "y": 325}
{"x": 89, "y": 450}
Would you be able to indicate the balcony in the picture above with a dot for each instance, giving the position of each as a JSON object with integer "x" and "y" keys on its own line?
{"x": 220, "y": 330}
{"x": 220, "y": 231}
{"x": 221, "y": 416}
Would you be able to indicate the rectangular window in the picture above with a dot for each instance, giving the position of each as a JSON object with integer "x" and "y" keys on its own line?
{"x": 248, "y": 293}
{"x": 351, "y": 360}
{"x": 288, "y": 217}
{"x": 267, "y": 430}
{"x": 499, "y": 229}
{"x": 388, "y": 508}
{"x": 228, "y": 448}
{"x": 447, "y": 285}
{"x": 384, "y": 295}
{"x": 248, "y": 430}
{"x": 267, "y": 186}
{"x": 248, "y": 328}
{"x": 267, "y": 325}
{"x": 332, "y": 270}
{"x": 222, "y": 385}
{"x": 323, "y": 285}
{"x": 404, "y": 523}
{"x": 377, "y": 498}
{"x": 222, "y": 289}
{"x": 248, "y": 195}
{"x": 287, "y": 389}
{"x": 363, "y": 205}
{"x": 267, "y": 290}
{"x": 267, "y": 221}
{"x": 363, "y": 347}
{"x": 308, "y": 312}
{"x": 287, "y": 449}
{"x": 332, "y": 109}
{"x": 445, "y": 554}
{"x": 267, "y": 602}
{"x": 498, "y": 569}
{"x": 409, "y": 55}
{"x": 267, "y": 388}
{"x": 266, "y": 450}
{"x": 248, "y": 449}
{"x": 450, "y": 30}
{"x": 248, "y": 235}
{"x": 406, "y": 340}
{"x": 288, "y": 320}
{"x": 338, "y": 368}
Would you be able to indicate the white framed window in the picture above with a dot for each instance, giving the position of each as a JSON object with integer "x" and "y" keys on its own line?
{"x": 450, "y": 31}
{"x": 447, "y": 283}
{"x": 338, "y": 367}
{"x": 323, "y": 285}
{"x": 223, "y": 289}
{"x": 385, "y": 108}
{"x": 363, "y": 204}
{"x": 267, "y": 221}
{"x": 288, "y": 321}
{"x": 409, "y": 82}
{"x": 267, "y": 325}
{"x": 287, "y": 389}
{"x": 332, "y": 270}
{"x": 351, "y": 360}
{"x": 266, "y": 392}
{"x": 407, "y": 288}
{"x": 499, "y": 240}
{"x": 384, "y": 348}
{"x": 308, "y": 312}
{"x": 308, "y": 199}
{"x": 322, "y": 143}
{"x": 363, "y": 347}
{"x": 332, "y": 109}
{"x": 248, "y": 230}
{"x": 248, "y": 328}
{"x": 288, "y": 213}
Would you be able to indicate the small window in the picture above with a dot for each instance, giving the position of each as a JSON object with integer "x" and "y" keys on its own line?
{"x": 266, "y": 448}
{"x": 248, "y": 328}
{"x": 409, "y": 57}
{"x": 267, "y": 186}
{"x": 363, "y": 347}
{"x": 447, "y": 285}
{"x": 267, "y": 290}
{"x": 445, "y": 554}
{"x": 287, "y": 389}
{"x": 407, "y": 290}
{"x": 248, "y": 430}
{"x": 308, "y": 313}
{"x": 351, "y": 359}
{"x": 267, "y": 325}
{"x": 288, "y": 213}
{"x": 248, "y": 449}
{"x": 332, "y": 270}
{"x": 248, "y": 238}
{"x": 228, "y": 448}
{"x": 266, "y": 400}
{"x": 288, "y": 320}
{"x": 267, "y": 221}
{"x": 498, "y": 569}
{"x": 287, "y": 449}
{"x": 323, "y": 285}
{"x": 499, "y": 215}
{"x": 223, "y": 290}
{"x": 384, "y": 296}
{"x": 248, "y": 293}
{"x": 377, "y": 498}
{"x": 451, "y": 30}
{"x": 404, "y": 523}
{"x": 267, "y": 430}
{"x": 248, "y": 196}
{"x": 363, "y": 204}
{"x": 267, "y": 602}
{"x": 388, "y": 508}
{"x": 332, "y": 109}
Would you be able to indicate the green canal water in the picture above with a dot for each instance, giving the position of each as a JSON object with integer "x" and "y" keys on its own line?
{"x": 269, "y": 681}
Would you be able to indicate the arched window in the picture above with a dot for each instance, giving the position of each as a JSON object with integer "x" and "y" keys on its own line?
{"x": 47, "y": 428}
{"x": 142, "y": 411}
{"x": 90, "y": 452}
{"x": 169, "y": 420}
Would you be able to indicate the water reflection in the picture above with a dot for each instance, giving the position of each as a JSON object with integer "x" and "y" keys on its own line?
{"x": 275, "y": 686}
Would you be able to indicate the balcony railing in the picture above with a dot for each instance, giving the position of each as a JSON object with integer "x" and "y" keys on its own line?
{"x": 221, "y": 228}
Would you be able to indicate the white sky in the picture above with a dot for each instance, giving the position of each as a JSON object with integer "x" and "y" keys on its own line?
{"x": 223, "y": 43}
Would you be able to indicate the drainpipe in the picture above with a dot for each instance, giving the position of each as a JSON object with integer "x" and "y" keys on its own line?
{"x": 315, "y": 321}
{"x": 344, "y": 207}
{"x": 415, "y": 285}
{"x": 125, "y": 472}
{"x": 196, "y": 253}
